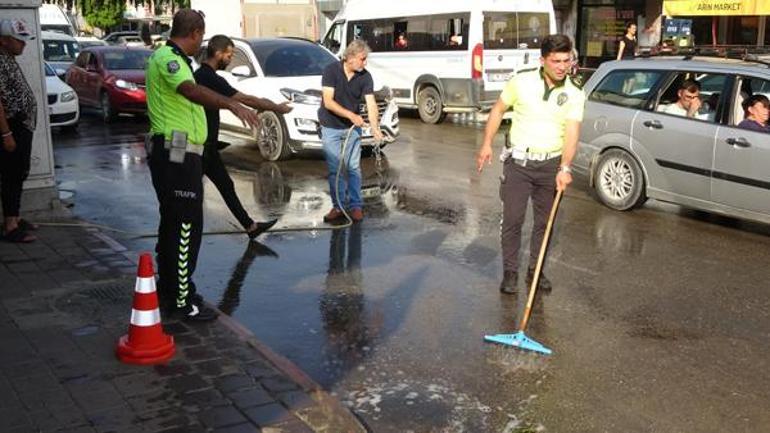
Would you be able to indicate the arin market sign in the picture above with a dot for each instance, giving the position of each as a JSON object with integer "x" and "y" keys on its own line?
{"x": 715, "y": 7}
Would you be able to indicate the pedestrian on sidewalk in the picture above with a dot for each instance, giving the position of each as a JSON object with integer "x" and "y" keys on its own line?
{"x": 18, "y": 116}
{"x": 547, "y": 111}
{"x": 175, "y": 146}
{"x": 346, "y": 85}
{"x": 219, "y": 53}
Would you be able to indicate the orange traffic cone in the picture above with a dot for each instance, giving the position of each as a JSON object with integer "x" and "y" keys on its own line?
{"x": 145, "y": 342}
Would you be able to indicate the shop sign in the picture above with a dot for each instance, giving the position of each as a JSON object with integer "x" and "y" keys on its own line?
{"x": 674, "y": 8}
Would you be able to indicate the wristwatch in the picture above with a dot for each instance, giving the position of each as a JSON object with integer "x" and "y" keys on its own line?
{"x": 565, "y": 169}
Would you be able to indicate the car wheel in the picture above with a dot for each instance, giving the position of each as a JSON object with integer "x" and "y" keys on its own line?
{"x": 429, "y": 105}
{"x": 618, "y": 181}
{"x": 108, "y": 112}
{"x": 272, "y": 138}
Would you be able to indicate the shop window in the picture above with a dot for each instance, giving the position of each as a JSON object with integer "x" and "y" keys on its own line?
{"x": 742, "y": 30}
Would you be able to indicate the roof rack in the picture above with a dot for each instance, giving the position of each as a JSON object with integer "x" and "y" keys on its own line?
{"x": 736, "y": 53}
{"x": 746, "y": 54}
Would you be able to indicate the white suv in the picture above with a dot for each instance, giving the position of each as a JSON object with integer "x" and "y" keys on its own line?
{"x": 288, "y": 69}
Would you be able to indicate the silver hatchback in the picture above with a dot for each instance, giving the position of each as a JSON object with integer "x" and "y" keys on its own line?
{"x": 667, "y": 128}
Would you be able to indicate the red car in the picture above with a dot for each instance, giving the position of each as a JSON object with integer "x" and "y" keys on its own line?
{"x": 110, "y": 78}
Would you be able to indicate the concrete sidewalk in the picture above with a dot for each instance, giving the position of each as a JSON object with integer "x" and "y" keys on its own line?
{"x": 64, "y": 302}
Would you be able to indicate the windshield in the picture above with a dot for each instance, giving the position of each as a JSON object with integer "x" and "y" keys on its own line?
{"x": 515, "y": 29}
{"x": 128, "y": 59}
{"x": 60, "y": 51}
{"x": 282, "y": 59}
{"x": 49, "y": 72}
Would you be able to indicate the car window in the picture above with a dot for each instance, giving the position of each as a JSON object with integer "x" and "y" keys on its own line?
{"x": 240, "y": 59}
{"x": 60, "y": 51}
{"x": 746, "y": 88}
{"x": 626, "y": 88}
{"x": 292, "y": 60}
{"x": 693, "y": 94}
{"x": 333, "y": 38}
{"x": 125, "y": 60}
{"x": 82, "y": 60}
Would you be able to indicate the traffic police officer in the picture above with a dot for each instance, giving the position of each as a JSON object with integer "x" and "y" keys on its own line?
{"x": 175, "y": 146}
{"x": 547, "y": 111}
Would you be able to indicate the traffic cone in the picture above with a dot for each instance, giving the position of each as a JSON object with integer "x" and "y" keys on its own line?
{"x": 145, "y": 343}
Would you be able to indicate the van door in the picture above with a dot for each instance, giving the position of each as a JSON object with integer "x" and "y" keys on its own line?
{"x": 334, "y": 37}
{"x": 511, "y": 43}
{"x": 741, "y": 178}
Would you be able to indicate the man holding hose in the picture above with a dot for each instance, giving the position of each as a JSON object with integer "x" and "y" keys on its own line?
{"x": 547, "y": 111}
{"x": 346, "y": 85}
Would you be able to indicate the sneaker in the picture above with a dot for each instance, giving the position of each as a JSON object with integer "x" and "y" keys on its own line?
{"x": 356, "y": 214}
{"x": 258, "y": 228}
{"x": 195, "y": 313}
{"x": 508, "y": 285}
{"x": 333, "y": 215}
{"x": 542, "y": 283}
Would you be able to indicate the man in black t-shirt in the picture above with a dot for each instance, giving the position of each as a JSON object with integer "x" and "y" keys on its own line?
{"x": 219, "y": 53}
{"x": 345, "y": 85}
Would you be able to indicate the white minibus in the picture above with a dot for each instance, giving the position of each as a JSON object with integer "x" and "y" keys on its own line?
{"x": 449, "y": 56}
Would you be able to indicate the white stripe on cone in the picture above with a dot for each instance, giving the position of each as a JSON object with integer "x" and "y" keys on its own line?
{"x": 145, "y": 318}
{"x": 145, "y": 285}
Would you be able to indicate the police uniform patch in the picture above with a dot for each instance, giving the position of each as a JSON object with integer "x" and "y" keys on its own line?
{"x": 173, "y": 67}
{"x": 562, "y": 98}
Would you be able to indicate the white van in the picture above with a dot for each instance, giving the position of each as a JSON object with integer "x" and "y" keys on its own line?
{"x": 53, "y": 18}
{"x": 444, "y": 57}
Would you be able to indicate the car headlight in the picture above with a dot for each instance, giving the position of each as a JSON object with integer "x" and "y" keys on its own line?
{"x": 123, "y": 84}
{"x": 67, "y": 96}
{"x": 300, "y": 97}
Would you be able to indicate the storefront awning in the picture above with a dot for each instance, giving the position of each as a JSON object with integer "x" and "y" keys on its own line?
{"x": 674, "y": 8}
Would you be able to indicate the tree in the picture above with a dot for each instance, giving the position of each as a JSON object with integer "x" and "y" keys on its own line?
{"x": 102, "y": 13}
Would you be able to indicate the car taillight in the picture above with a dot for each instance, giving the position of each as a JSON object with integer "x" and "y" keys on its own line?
{"x": 477, "y": 62}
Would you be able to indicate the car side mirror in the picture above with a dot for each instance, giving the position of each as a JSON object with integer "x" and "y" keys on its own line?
{"x": 241, "y": 71}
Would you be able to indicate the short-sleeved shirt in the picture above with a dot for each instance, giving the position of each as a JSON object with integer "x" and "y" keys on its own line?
{"x": 540, "y": 114}
{"x": 169, "y": 111}
{"x": 15, "y": 94}
{"x": 207, "y": 77}
{"x": 348, "y": 93}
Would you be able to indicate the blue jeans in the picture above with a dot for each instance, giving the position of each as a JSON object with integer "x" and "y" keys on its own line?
{"x": 350, "y": 179}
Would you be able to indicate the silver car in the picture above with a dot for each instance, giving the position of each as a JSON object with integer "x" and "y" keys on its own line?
{"x": 636, "y": 144}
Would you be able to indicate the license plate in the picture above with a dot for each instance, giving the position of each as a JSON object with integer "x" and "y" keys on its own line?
{"x": 498, "y": 77}
{"x": 370, "y": 192}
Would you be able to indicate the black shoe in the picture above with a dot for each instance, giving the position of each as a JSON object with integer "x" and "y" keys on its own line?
{"x": 542, "y": 283}
{"x": 260, "y": 228}
{"x": 195, "y": 313}
{"x": 508, "y": 285}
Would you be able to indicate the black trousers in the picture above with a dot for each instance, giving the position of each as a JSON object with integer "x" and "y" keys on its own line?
{"x": 536, "y": 180}
{"x": 215, "y": 170}
{"x": 14, "y": 168}
{"x": 179, "y": 190}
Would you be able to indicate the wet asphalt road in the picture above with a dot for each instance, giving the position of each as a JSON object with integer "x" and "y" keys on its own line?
{"x": 659, "y": 318}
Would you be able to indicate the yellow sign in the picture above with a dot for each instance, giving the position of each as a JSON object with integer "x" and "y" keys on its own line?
{"x": 674, "y": 8}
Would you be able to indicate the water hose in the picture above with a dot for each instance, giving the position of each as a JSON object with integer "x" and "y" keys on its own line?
{"x": 348, "y": 219}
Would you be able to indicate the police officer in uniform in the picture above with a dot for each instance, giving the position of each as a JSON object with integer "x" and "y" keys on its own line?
{"x": 175, "y": 146}
{"x": 547, "y": 111}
